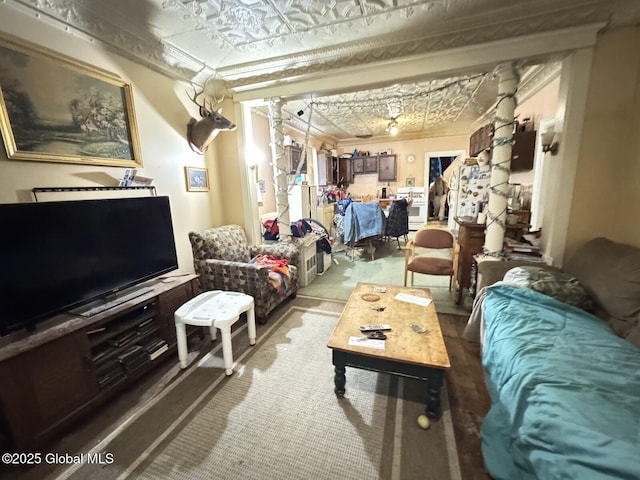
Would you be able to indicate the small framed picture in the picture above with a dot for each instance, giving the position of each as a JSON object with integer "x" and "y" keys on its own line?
{"x": 410, "y": 182}
{"x": 197, "y": 179}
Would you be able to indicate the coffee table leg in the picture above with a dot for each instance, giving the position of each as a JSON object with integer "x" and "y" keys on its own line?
{"x": 340, "y": 380}
{"x": 434, "y": 387}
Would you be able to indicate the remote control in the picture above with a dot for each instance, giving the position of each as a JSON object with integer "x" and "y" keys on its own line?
{"x": 372, "y": 328}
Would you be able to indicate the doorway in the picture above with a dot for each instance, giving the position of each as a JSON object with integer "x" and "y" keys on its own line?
{"x": 435, "y": 165}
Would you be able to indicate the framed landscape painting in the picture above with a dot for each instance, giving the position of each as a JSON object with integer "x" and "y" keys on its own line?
{"x": 197, "y": 179}
{"x": 56, "y": 109}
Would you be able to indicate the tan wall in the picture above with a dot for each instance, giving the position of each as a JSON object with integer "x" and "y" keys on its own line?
{"x": 606, "y": 200}
{"x": 227, "y": 196}
{"x": 162, "y": 112}
{"x": 540, "y": 106}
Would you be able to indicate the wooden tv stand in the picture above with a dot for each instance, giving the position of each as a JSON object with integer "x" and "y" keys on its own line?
{"x": 71, "y": 364}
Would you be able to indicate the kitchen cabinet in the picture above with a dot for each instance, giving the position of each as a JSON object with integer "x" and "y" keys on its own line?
{"x": 327, "y": 170}
{"x": 345, "y": 173}
{"x": 387, "y": 168}
{"x": 357, "y": 165}
{"x": 370, "y": 164}
{"x": 523, "y": 151}
{"x": 480, "y": 140}
{"x": 384, "y": 165}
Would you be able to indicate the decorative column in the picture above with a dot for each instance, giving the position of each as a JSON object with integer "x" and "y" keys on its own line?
{"x": 501, "y": 159}
{"x": 279, "y": 168}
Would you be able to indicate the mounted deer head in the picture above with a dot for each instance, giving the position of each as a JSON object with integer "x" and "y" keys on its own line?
{"x": 200, "y": 133}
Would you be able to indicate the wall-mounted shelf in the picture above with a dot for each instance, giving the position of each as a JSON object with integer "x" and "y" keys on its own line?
{"x": 86, "y": 193}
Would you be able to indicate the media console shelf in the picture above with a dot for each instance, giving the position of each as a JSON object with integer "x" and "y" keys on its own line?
{"x": 71, "y": 364}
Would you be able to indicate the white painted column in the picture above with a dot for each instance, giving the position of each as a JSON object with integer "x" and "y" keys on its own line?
{"x": 279, "y": 168}
{"x": 501, "y": 159}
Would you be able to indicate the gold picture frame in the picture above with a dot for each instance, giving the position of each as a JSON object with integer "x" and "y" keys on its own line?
{"x": 197, "y": 179}
{"x": 410, "y": 182}
{"x": 56, "y": 109}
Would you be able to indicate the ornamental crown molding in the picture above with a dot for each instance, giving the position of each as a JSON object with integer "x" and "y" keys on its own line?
{"x": 437, "y": 26}
{"x": 492, "y": 26}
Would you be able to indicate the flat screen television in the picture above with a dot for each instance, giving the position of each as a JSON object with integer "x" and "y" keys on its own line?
{"x": 58, "y": 255}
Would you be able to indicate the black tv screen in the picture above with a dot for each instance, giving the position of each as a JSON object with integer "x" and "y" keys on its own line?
{"x": 58, "y": 255}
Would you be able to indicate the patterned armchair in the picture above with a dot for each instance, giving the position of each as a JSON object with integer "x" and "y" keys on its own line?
{"x": 221, "y": 257}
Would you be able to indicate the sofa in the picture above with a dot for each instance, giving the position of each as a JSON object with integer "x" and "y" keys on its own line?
{"x": 224, "y": 260}
{"x": 563, "y": 370}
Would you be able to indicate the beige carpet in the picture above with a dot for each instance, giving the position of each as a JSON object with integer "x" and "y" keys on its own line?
{"x": 387, "y": 268}
{"x": 277, "y": 417}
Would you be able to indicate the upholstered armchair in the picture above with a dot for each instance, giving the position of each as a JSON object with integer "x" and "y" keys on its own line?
{"x": 221, "y": 256}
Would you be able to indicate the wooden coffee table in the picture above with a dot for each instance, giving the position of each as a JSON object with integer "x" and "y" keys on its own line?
{"x": 406, "y": 352}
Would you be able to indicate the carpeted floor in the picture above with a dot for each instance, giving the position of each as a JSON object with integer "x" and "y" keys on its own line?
{"x": 276, "y": 417}
{"x": 387, "y": 267}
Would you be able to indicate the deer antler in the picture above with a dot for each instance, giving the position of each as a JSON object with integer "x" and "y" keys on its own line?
{"x": 216, "y": 88}
{"x": 206, "y": 107}
{"x": 204, "y": 111}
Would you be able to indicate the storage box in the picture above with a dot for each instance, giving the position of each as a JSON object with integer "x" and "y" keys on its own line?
{"x": 308, "y": 264}
{"x": 323, "y": 261}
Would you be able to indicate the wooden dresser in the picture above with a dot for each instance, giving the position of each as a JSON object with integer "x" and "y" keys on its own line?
{"x": 471, "y": 241}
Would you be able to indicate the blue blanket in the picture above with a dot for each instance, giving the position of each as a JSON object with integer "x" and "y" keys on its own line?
{"x": 565, "y": 391}
{"x": 363, "y": 220}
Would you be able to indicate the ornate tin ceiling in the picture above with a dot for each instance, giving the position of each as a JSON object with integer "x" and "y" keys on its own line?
{"x": 248, "y": 42}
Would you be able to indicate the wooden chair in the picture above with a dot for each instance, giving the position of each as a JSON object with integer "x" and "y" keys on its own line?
{"x": 416, "y": 261}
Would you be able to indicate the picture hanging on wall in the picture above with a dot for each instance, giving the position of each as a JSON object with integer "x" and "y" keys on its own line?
{"x": 56, "y": 109}
{"x": 197, "y": 179}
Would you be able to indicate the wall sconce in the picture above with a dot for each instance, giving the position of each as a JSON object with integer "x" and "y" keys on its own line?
{"x": 549, "y": 143}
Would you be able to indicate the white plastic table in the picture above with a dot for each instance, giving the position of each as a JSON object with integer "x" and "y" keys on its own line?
{"x": 215, "y": 309}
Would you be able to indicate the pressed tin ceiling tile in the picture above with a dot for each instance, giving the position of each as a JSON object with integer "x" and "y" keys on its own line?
{"x": 248, "y": 42}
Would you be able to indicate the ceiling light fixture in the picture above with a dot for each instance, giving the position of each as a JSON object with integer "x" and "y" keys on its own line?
{"x": 392, "y": 127}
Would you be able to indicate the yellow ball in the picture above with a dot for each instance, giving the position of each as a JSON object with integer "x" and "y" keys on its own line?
{"x": 423, "y": 421}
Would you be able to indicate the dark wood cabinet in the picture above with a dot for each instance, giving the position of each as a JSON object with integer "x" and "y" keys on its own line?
{"x": 327, "y": 169}
{"x": 384, "y": 165}
{"x": 357, "y": 165}
{"x": 345, "y": 173}
{"x": 471, "y": 240}
{"x": 523, "y": 151}
{"x": 40, "y": 388}
{"x": 292, "y": 156}
{"x": 370, "y": 164}
{"x": 480, "y": 140}
{"x": 387, "y": 168}
{"x": 70, "y": 365}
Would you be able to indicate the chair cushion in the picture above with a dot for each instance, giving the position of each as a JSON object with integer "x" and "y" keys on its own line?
{"x": 431, "y": 266}
{"x": 433, "y": 238}
{"x": 228, "y": 242}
